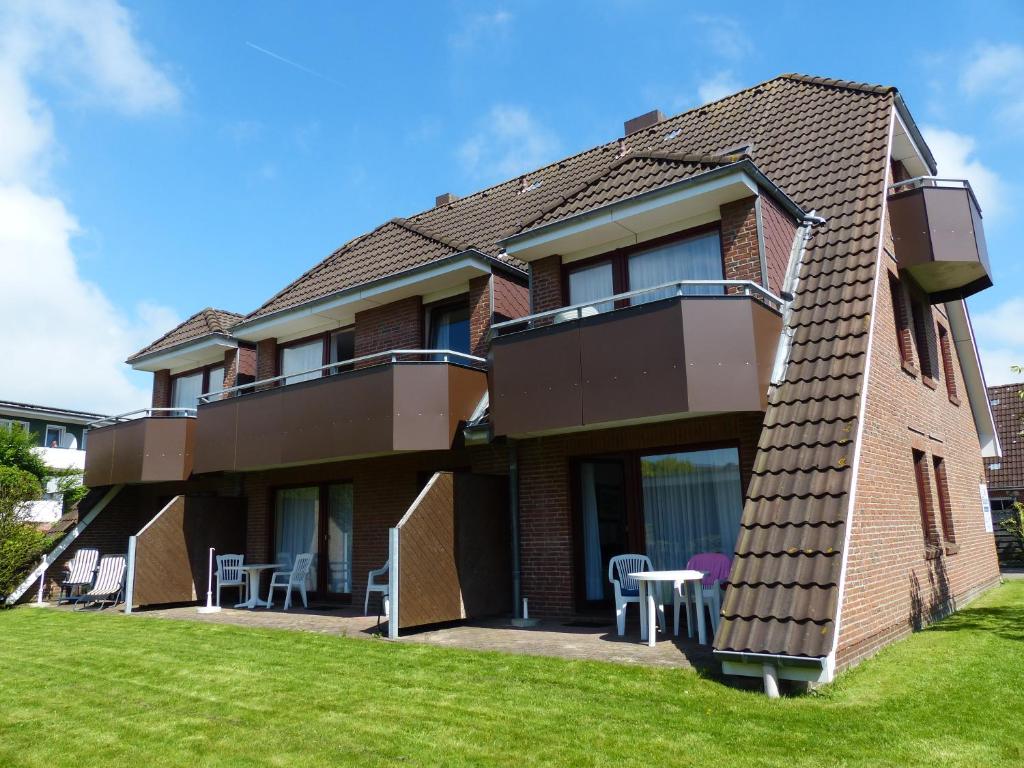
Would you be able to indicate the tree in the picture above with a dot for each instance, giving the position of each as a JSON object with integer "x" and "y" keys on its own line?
{"x": 21, "y": 545}
{"x": 17, "y": 450}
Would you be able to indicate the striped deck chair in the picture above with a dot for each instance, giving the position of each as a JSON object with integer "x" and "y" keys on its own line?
{"x": 81, "y": 570}
{"x": 109, "y": 586}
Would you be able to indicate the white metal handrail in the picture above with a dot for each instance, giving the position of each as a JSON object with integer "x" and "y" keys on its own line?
{"x": 749, "y": 288}
{"x": 141, "y": 413}
{"x": 445, "y": 356}
{"x": 931, "y": 181}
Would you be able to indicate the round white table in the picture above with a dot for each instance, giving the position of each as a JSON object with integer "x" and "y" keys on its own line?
{"x": 647, "y": 607}
{"x": 252, "y": 581}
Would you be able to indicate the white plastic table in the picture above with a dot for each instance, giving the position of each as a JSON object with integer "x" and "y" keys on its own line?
{"x": 252, "y": 581}
{"x": 647, "y": 619}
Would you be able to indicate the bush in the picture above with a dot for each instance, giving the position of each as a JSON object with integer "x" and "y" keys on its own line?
{"x": 21, "y": 545}
{"x": 16, "y": 450}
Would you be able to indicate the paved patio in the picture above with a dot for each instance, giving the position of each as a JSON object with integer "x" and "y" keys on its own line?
{"x": 584, "y": 638}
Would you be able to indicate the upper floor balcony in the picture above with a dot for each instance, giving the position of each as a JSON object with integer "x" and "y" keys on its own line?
{"x": 683, "y": 348}
{"x": 939, "y": 238}
{"x": 399, "y": 400}
{"x": 150, "y": 445}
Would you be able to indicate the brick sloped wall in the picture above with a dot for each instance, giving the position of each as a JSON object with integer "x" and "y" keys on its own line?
{"x": 779, "y": 230}
{"x": 892, "y": 587}
{"x": 740, "y": 255}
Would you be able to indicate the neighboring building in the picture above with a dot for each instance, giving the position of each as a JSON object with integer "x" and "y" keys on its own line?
{"x": 740, "y": 329}
{"x": 1005, "y": 474}
{"x": 61, "y": 435}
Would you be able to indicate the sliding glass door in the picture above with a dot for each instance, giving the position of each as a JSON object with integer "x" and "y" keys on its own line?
{"x": 605, "y": 522}
{"x": 692, "y": 503}
{"x": 317, "y": 519}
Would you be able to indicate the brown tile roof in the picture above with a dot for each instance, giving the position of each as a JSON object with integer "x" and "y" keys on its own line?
{"x": 1008, "y": 412}
{"x": 203, "y": 323}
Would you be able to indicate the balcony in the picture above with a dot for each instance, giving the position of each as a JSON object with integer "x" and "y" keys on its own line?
{"x": 401, "y": 400}
{"x": 153, "y": 445}
{"x": 939, "y": 238}
{"x": 577, "y": 368}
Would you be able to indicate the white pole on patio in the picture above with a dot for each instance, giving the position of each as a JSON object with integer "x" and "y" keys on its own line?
{"x": 209, "y": 607}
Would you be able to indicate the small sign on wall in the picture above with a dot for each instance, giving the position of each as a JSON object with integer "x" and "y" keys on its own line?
{"x": 986, "y": 507}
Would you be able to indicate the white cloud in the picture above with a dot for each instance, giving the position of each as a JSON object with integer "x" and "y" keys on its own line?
{"x": 479, "y": 28}
{"x": 508, "y": 142}
{"x": 718, "y": 86}
{"x": 725, "y": 36}
{"x": 956, "y": 159}
{"x": 997, "y": 71}
{"x": 1000, "y": 341}
{"x": 64, "y": 341}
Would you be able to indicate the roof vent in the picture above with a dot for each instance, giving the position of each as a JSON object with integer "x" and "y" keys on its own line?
{"x": 446, "y": 199}
{"x": 643, "y": 121}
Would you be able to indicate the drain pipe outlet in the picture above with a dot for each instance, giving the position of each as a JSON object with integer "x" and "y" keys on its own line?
{"x": 771, "y": 680}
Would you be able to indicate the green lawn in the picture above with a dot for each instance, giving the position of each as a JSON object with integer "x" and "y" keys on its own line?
{"x": 86, "y": 690}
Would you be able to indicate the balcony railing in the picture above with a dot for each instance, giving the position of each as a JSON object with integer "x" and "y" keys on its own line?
{"x": 344, "y": 366}
{"x": 148, "y": 445}
{"x": 399, "y": 400}
{"x": 677, "y": 288}
{"x": 670, "y": 356}
{"x": 939, "y": 238}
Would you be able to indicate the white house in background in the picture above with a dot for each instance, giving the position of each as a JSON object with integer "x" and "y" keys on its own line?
{"x": 61, "y": 435}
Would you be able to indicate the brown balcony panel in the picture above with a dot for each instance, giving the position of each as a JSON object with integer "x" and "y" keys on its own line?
{"x": 939, "y": 240}
{"x": 370, "y": 411}
{"x": 149, "y": 450}
{"x": 696, "y": 354}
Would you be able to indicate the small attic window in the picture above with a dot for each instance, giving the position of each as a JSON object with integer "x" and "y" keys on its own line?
{"x": 995, "y": 465}
{"x": 994, "y": 401}
{"x": 673, "y": 134}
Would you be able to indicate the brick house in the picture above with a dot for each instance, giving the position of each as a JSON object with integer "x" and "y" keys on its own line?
{"x": 736, "y": 330}
{"x": 1004, "y": 475}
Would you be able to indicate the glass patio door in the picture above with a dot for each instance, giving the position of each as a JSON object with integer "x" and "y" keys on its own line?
{"x": 339, "y": 539}
{"x": 296, "y": 527}
{"x": 605, "y": 523}
{"x": 317, "y": 519}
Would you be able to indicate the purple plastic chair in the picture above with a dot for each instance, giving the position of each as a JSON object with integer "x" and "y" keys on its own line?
{"x": 715, "y": 567}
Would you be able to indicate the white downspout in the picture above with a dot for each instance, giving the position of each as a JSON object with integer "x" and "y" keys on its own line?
{"x": 770, "y": 673}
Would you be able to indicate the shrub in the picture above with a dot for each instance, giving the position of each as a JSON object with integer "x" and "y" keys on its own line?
{"x": 21, "y": 545}
{"x": 16, "y": 450}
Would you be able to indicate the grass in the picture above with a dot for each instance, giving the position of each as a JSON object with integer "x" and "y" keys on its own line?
{"x": 97, "y": 690}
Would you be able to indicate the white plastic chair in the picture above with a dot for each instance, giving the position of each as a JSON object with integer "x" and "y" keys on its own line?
{"x": 627, "y": 590}
{"x": 81, "y": 572}
{"x": 372, "y": 585}
{"x": 230, "y": 574}
{"x": 289, "y": 580}
{"x": 715, "y": 566}
{"x": 109, "y": 586}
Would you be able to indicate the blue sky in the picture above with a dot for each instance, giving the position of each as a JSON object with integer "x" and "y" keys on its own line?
{"x": 198, "y": 153}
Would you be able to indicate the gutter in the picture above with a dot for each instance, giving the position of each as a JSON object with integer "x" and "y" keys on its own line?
{"x": 915, "y": 132}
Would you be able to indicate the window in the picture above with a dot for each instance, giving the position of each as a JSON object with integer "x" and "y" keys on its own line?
{"x": 7, "y": 423}
{"x": 945, "y": 506}
{"x": 690, "y": 257}
{"x": 343, "y": 347}
{"x": 923, "y": 338}
{"x": 448, "y": 326}
{"x": 948, "y": 366}
{"x": 924, "y": 499}
{"x": 903, "y": 333}
{"x": 214, "y": 380}
{"x": 186, "y": 389}
{"x": 300, "y": 514}
{"x": 301, "y": 362}
{"x": 54, "y": 436}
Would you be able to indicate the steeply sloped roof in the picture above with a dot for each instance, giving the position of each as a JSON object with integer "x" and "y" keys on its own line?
{"x": 203, "y": 323}
{"x": 1008, "y": 412}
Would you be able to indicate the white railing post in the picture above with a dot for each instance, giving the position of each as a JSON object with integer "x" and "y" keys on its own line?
{"x": 393, "y": 585}
{"x": 129, "y": 589}
{"x": 42, "y": 582}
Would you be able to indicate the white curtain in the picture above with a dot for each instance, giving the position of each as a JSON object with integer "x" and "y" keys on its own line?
{"x": 593, "y": 571}
{"x": 296, "y": 525}
{"x": 697, "y": 258}
{"x": 216, "y": 380}
{"x": 589, "y": 284}
{"x": 692, "y": 503}
{"x": 303, "y": 357}
{"x": 185, "y": 390}
{"x": 339, "y": 538}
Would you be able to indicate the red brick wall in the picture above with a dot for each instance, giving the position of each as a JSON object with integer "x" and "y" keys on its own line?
{"x": 479, "y": 314}
{"x": 398, "y": 325}
{"x": 266, "y": 359}
{"x": 230, "y": 367}
{"x": 740, "y": 254}
{"x": 511, "y": 298}
{"x": 546, "y": 284}
{"x": 547, "y": 536}
{"x": 162, "y": 388}
{"x": 892, "y": 586}
{"x": 779, "y": 230}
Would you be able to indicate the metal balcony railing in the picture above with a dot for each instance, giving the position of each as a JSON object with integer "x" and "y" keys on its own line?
{"x": 142, "y": 413}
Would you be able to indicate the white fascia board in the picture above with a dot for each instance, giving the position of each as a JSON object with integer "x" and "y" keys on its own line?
{"x": 326, "y": 312}
{"x": 974, "y": 378}
{"x": 623, "y": 218}
{"x": 202, "y": 351}
{"x": 55, "y": 417}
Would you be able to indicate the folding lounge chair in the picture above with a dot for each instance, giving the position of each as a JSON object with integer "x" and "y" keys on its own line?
{"x": 81, "y": 570}
{"x": 109, "y": 586}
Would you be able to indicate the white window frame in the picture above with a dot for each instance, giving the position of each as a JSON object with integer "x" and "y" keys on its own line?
{"x": 10, "y": 422}
{"x": 46, "y": 435}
